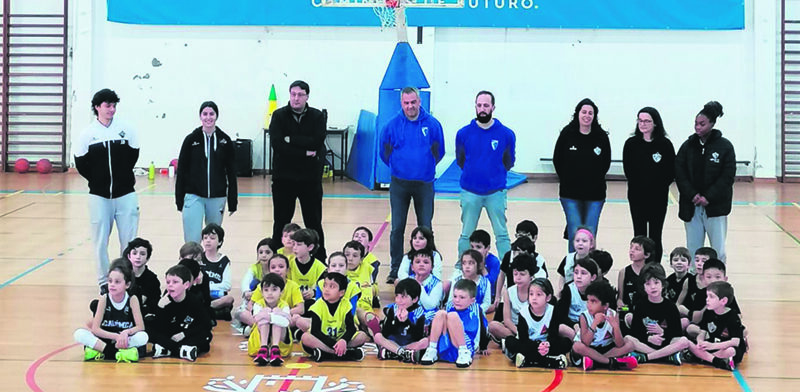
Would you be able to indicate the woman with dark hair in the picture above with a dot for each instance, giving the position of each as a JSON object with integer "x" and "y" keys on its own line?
{"x": 705, "y": 169}
{"x": 206, "y": 175}
{"x": 582, "y": 157}
{"x": 649, "y": 162}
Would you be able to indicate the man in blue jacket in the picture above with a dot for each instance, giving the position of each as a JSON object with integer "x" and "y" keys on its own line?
{"x": 485, "y": 151}
{"x": 411, "y": 144}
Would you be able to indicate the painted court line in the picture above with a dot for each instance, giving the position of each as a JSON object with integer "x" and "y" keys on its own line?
{"x": 287, "y": 383}
{"x": 797, "y": 241}
{"x": 740, "y": 379}
{"x": 30, "y": 375}
{"x": 26, "y": 272}
{"x": 558, "y": 375}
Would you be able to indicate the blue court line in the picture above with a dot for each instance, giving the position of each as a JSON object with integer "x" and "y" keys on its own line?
{"x": 740, "y": 379}
{"x": 26, "y": 272}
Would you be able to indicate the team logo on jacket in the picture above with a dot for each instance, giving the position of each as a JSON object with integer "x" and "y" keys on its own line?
{"x": 425, "y": 131}
{"x": 495, "y": 143}
{"x": 597, "y": 151}
{"x": 657, "y": 157}
{"x": 195, "y": 143}
{"x": 572, "y": 148}
{"x": 122, "y": 134}
{"x": 223, "y": 141}
{"x": 714, "y": 157}
{"x": 712, "y": 327}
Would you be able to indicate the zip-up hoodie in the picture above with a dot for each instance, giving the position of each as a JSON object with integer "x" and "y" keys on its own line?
{"x": 105, "y": 156}
{"x": 485, "y": 156}
{"x": 207, "y": 168}
{"x": 412, "y": 148}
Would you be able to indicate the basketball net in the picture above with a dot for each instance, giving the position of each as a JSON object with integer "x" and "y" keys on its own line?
{"x": 393, "y": 14}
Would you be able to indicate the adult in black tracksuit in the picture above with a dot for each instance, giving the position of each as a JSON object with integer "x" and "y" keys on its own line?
{"x": 206, "y": 175}
{"x": 648, "y": 159}
{"x": 297, "y": 136}
{"x": 105, "y": 155}
{"x": 705, "y": 169}
{"x": 581, "y": 158}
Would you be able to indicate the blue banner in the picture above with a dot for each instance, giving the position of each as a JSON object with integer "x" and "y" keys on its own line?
{"x": 572, "y": 14}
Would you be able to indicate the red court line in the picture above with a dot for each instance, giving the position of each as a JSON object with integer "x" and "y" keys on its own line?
{"x": 557, "y": 377}
{"x": 30, "y": 375}
{"x": 286, "y": 383}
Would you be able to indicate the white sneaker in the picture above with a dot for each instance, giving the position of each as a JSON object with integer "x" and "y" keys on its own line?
{"x": 159, "y": 351}
{"x": 464, "y": 358}
{"x": 247, "y": 331}
{"x": 430, "y": 356}
{"x": 189, "y": 353}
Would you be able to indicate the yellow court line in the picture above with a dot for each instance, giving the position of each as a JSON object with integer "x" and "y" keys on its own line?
{"x": 151, "y": 186}
{"x": 13, "y": 194}
{"x": 796, "y": 205}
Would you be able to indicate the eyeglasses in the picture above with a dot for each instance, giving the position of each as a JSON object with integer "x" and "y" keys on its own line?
{"x": 298, "y": 95}
{"x": 644, "y": 121}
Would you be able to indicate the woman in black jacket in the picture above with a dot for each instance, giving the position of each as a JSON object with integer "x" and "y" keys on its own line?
{"x": 648, "y": 159}
{"x": 581, "y": 158}
{"x": 705, "y": 169}
{"x": 206, "y": 175}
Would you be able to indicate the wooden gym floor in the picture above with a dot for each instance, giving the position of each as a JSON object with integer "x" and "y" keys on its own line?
{"x": 47, "y": 280}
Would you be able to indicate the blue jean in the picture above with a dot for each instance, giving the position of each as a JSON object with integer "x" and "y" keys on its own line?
{"x": 195, "y": 210}
{"x": 581, "y": 213}
{"x": 495, "y": 204}
{"x": 400, "y": 194}
{"x": 701, "y": 225}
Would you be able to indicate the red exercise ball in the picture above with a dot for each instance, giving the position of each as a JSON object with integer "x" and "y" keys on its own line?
{"x": 44, "y": 166}
{"x": 21, "y": 165}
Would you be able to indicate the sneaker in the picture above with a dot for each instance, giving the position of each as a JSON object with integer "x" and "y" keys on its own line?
{"x": 262, "y": 357}
{"x": 411, "y": 356}
{"x": 464, "y": 358}
{"x": 390, "y": 279}
{"x": 723, "y": 363}
{"x": 575, "y": 359}
{"x": 297, "y": 333}
{"x": 376, "y": 303}
{"x": 496, "y": 340}
{"x": 384, "y": 354}
{"x": 624, "y": 363}
{"x": 588, "y": 364}
{"x": 159, "y": 351}
{"x": 687, "y": 357}
{"x": 275, "y": 357}
{"x": 248, "y": 329}
{"x": 505, "y": 351}
{"x": 128, "y": 355}
{"x": 430, "y": 356}
{"x": 354, "y": 354}
{"x": 316, "y": 355}
{"x": 189, "y": 353}
{"x": 674, "y": 359}
{"x": 90, "y": 354}
{"x": 560, "y": 361}
{"x": 640, "y": 357}
{"x": 519, "y": 360}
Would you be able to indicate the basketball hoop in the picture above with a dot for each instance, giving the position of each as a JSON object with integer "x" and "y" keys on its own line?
{"x": 387, "y": 13}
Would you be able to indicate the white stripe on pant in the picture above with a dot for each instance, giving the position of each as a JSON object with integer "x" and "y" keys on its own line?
{"x": 103, "y": 213}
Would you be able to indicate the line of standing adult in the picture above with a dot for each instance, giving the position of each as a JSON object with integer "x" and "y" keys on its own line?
{"x": 411, "y": 144}
{"x": 206, "y": 175}
{"x": 297, "y": 136}
{"x": 705, "y": 170}
{"x": 105, "y": 155}
{"x": 485, "y": 151}
{"x": 582, "y": 157}
{"x": 648, "y": 159}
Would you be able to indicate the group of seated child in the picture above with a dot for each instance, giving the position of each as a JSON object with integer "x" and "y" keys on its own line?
{"x": 328, "y": 306}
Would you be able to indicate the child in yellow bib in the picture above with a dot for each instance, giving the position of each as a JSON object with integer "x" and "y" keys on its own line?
{"x": 270, "y": 319}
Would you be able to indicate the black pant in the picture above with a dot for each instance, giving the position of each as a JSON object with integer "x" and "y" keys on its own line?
{"x": 647, "y": 214}
{"x": 203, "y": 343}
{"x": 284, "y": 195}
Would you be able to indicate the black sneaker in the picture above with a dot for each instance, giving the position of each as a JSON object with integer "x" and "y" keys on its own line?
{"x": 412, "y": 356}
{"x": 384, "y": 354}
{"x": 376, "y": 302}
{"x": 354, "y": 354}
{"x": 297, "y": 334}
{"x": 575, "y": 359}
{"x": 390, "y": 279}
{"x": 723, "y": 363}
{"x": 316, "y": 355}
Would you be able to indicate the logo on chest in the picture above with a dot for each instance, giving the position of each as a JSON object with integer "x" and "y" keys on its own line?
{"x": 425, "y": 131}
{"x": 495, "y": 143}
{"x": 597, "y": 151}
{"x": 657, "y": 157}
{"x": 714, "y": 157}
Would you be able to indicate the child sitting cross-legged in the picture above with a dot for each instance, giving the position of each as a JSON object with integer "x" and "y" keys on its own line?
{"x": 270, "y": 318}
{"x": 458, "y": 332}
{"x": 721, "y": 339}
{"x": 333, "y": 333}
{"x": 402, "y": 335}
{"x": 537, "y": 342}
{"x": 600, "y": 339}
{"x": 656, "y": 326}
